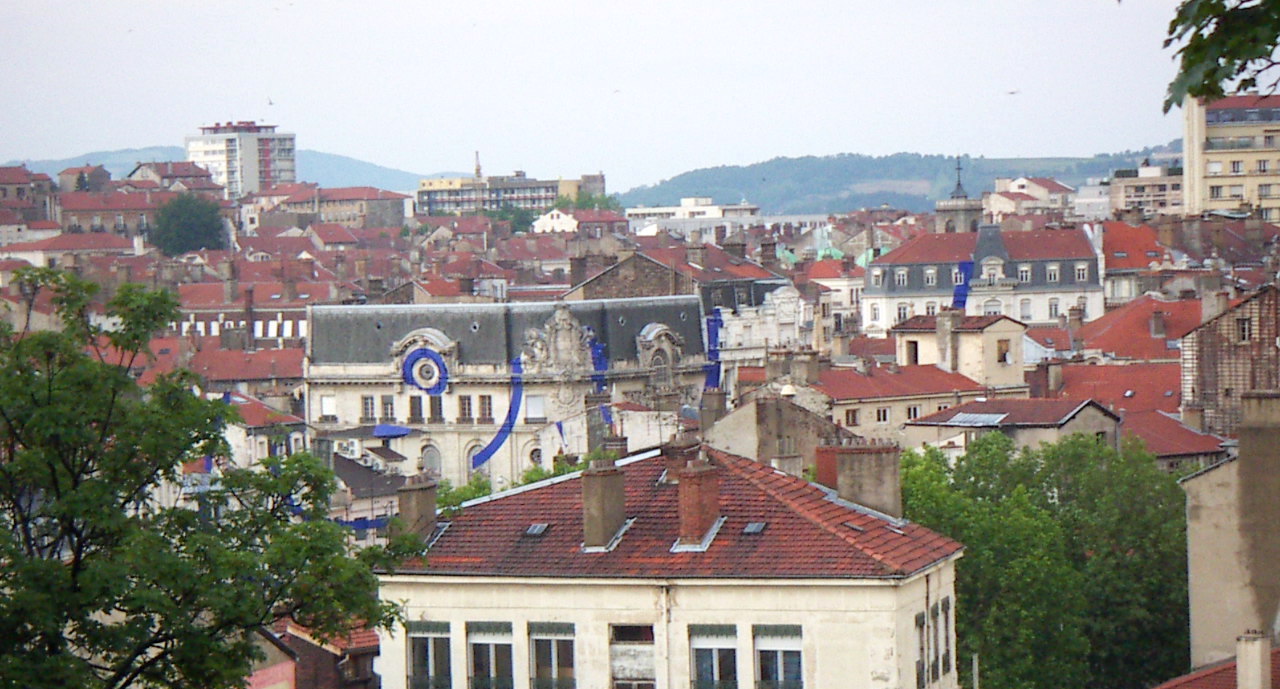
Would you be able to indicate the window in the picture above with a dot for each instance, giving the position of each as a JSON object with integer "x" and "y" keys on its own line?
{"x": 882, "y": 415}
{"x": 551, "y": 655}
{"x": 1053, "y": 308}
{"x": 930, "y": 276}
{"x": 366, "y": 408}
{"x": 992, "y": 307}
{"x": 904, "y": 312}
{"x": 935, "y": 665}
{"x": 388, "y": 407}
{"x": 1264, "y": 191}
{"x": 486, "y": 408}
{"x": 1082, "y": 272}
{"x": 328, "y": 406}
{"x": 1215, "y": 192}
{"x": 1024, "y": 273}
{"x": 1264, "y": 166}
{"x": 1051, "y": 272}
{"x": 415, "y": 408}
{"x": 432, "y": 461}
{"x": 778, "y": 663}
{"x": 900, "y": 278}
{"x": 913, "y": 352}
{"x": 946, "y": 635}
{"x": 631, "y": 656}
{"x": 931, "y": 308}
{"x": 1024, "y": 309}
{"x": 877, "y": 277}
{"x": 851, "y": 417}
{"x": 875, "y": 313}
{"x": 715, "y": 656}
{"x": 464, "y": 409}
{"x": 913, "y": 412}
{"x": 1244, "y": 329}
{"x": 1236, "y": 191}
{"x": 1082, "y": 303}
{"x": 535, "y": 409}
{"x": 429, "y": 655}
{"x": 1269, "y": 141}
{"x": 1237, "y": 167}
{"x": 1002, "y": 352}
{"x": 922, "y": 676}
{"x": 437, "y": 410}
{"x": 957, "y": 276}
{"x": 489, "y": 644}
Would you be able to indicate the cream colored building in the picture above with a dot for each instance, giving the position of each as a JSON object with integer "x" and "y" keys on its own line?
{"x": 1148, "y": 189}
{"x": 1028, "y": 422}
{"x": 244, "y": 157}
{"x": 1232, "y": 155}
{"x": 987, "y": 349}
{"x": 667, "y": 571}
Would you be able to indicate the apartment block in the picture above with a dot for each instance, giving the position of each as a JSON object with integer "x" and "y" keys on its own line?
{"x": 1233, "y": 155}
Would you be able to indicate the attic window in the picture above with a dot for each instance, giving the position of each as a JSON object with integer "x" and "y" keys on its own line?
{"x": 754, "y": 528}
{"x": 304, "y": 295}
{"x": 536, "y": 529}
{"x": 275, "y": 296}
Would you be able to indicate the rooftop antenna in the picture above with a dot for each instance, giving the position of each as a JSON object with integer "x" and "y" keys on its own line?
{"x": 477, "y": 164}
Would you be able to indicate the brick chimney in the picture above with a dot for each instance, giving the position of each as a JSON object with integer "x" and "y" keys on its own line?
{"x": 735, "y": 245}
{"x": 864, "y": 474}
{"x": 699, "y": 499}
{"x": 695, "y": 251}
{"x": 1253, "y": 660}
{"x": 417, "y": 502}
{"x": 678, "y": 454}
{"x": 604, "y": 508}
{"x": 1213, "y": 304}
{"x": 1157, "y": 324}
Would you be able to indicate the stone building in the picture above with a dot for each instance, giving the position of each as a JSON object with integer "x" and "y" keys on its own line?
{"x": 459, "y": 388}
{"x": 1227, "y": 356}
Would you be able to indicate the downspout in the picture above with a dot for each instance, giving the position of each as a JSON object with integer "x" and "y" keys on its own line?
{"x": 664, "y": 601}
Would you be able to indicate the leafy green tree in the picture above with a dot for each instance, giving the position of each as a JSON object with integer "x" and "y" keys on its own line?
{"x": 521, "y": 219}
{"x": 1224, "y": 45}
{"x": 110, "y": 580}
{"x": 1080, "y": 544}
{"x": 82, "y": 181}
{"x": 449, "y": 497}
{"x": 563, "y": 203}
{"x": 597, "y": 202}
{"x": 189, "y": 223}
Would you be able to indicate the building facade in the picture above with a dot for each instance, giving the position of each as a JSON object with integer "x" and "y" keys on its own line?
{"x": 470, "y": 387}
{"x": 1148, "y": 189}
{"x": 244, "y": 157}
{"x": 1232, "y": 155}
{"x": 1032, "y": 276}
{"x": 1227, "y": 356}
{"x": 467, "y": 195}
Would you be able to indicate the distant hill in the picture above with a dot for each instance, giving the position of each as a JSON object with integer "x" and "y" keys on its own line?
{"x": 329, "y": 169}
{"x": 835, "y": 183}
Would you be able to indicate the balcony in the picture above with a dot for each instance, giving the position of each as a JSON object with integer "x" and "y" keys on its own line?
{"x": 492, "y": 683}
{"x": 429, "y": 682}
{"x": 1231, "y": 144}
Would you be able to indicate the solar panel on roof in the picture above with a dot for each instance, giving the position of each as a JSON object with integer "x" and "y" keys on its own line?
{"x": 966, "y": 418}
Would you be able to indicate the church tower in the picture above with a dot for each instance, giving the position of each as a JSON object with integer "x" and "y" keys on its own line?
{"x": 958, "y": 213}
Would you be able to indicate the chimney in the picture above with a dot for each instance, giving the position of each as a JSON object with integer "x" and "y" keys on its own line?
{"x": 230, "y": 290}
{"x": 417, "y": 501}
{"x": 249, "y": 344}
{"x": 138, "y": 248}
{"x": 946, "y": 323}
{"x": 1213, "y": 305}
{"x": 699, "y": 501}
{"x": 695, "y": 251}
{"x": 1193, "y": 416}
{"x": 594, "y": 404}
{"x": 1075, "y": 320}
{"x": 769, "y": 253}
{"x": 577, "y": 270}
{"x": 340, "y": 266}
{"x": 604, "y": 508}
{"x": 467, "y": 286}
{"x": 713, "y": 407}
{"x": 677, "y": 454}
{"x": 1253, "y": 660}
{"x": 736, "y": 245}
{"x": 616, "y": 444}
{"x": 865, "y": 474}
{"x": 1157, "y": 324}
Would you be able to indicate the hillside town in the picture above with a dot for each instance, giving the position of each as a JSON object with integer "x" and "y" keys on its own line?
{"x": 685, "y": 425}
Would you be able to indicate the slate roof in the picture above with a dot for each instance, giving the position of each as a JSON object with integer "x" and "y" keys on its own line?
{"x": 1221, "y": 675}
{"x": 363, "y": 481}
{"x": 884, "y": 382}
{"x": 1166, "y": 436}
{"x": 1013, "y": 412}
{"x": 809, "y": 532}
{"x": 1131, "y": 387}
{"x": 494, "y": 333}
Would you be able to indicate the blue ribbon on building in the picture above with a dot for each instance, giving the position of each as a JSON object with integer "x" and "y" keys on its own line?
{"x": 504, "y": 432}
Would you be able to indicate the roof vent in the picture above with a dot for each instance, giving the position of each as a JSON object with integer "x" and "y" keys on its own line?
{"x": 754, "y": 528}
{"x": 536, "y": 529}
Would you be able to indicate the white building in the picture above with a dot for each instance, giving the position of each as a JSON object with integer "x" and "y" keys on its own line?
{"x": 693, "y": 207}
{"x": 244, "y": 157}
{"x": 668, "y": 571}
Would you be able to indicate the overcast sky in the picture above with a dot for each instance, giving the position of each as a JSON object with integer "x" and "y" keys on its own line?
{"x": 639, "y": 90}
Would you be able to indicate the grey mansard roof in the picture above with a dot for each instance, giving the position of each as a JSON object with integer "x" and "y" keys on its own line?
{"x": 494, "y": 333}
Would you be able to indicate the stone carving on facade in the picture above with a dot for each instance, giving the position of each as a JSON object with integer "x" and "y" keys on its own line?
{"x": 659, "y": 349}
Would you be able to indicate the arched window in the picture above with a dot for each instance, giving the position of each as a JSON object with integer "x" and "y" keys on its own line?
{"x": 661, "y": 363}
{"x": 992, "y": 307}
{"x": 431, "y": 462}
{"x": 535, "y": 456}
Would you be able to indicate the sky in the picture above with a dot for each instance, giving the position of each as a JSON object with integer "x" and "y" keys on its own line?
{"x": 641, "y": 91}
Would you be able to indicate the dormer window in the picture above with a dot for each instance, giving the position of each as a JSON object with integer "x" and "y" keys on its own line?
{"x": 1051, "y": 272}
{"x": 877, "y": 278}
{"x": 930, "y": 276}
{"x": 900, "y": 277}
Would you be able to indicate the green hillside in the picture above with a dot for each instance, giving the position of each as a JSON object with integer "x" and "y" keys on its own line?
{"x": 826, "y": 184}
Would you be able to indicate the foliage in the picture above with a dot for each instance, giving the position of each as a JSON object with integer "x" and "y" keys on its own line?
{"x": 189, "y": 223}
{"x": 1075, "y": 563}
{"x": 449, "y": 499}
{"x": 82, "y": 181}
{"x": 1224, "y": 45}
{"x": 110, "y": 579}
{"x": 603, "y": 202}
{"x": 521, "y": 219}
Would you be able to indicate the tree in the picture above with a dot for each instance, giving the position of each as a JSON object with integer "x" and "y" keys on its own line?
{"x": 1081, "y": 545}
{"x": 82, "y": 181}
{"x": 106, "y": 582}
{"x": 1224, "y": 45}
{"x": 189, "y": 223}
{"x": 604, "y": 202}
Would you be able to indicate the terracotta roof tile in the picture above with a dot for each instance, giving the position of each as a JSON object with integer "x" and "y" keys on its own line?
{"x": 1221, "y": 675}
{"x": 1166, "y": 436}
{"x": 884, "y": 382}
{"x": 256, "y": 414}
{"x": 1244, "y": 102}
{"x": 1126, "y": 332}
{"x": 967, "y": 323}
{"x": 1130, "y": 248}
{"x": 225, "y": 365}
{"x": 1017, "y": 412}
{"x": 1132, "y": 387}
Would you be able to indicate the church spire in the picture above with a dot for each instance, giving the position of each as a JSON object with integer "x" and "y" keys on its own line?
{"x": 958, "y": 192}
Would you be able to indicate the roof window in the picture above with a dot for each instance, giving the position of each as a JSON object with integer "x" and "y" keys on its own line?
{"x": 536, "y": 529}
{"x": 754, "y": 528}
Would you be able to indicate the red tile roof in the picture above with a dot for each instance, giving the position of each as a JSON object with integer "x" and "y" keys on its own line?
{"x": 933, "y": 248}
{"x": 74, "y": 241}
{"x": 1125, "y": 333}
{"x": 225, "y": 365}
{"x": 871, "y": 347}
{"x": 1047, "y": 244}
{"x": 169, "y": 170}
{"x": 1016, "y": 196}
{"x": 1244, "y": 102}
{"x": 828, "y": 269}
{"x": 1166, "y": 436}
{"x": 717, "y": 264}
{"x": 1050, "y": 185}
{"x": 15, "y": 174}
{"x": 1132, "y": 388}
{"x": 1130, "y": 248}
{"x": 1056, "y": 339}
{"x": 751, "y": 374}
{"x": 345, "y": 194}
{"x": 596, "y": 215}
{"x": 1017, "y": 412}
{"x": 882, "y": 382}
{"x": 333, "y": 233}
{"x": 1222, "y": 675}
{"x": 89, "y": 201}
{"x": 266, "y": 294}
{"x": 256, "y": 414}
{"x": 808, "y": 532}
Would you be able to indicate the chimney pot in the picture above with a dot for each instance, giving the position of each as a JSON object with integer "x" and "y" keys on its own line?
{"x": 1253, "y": 660}
{"x": 603, "y": 503}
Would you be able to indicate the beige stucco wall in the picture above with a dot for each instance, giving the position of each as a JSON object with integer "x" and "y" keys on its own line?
{"x": 856, "y": 633}
{"x": 1213, "y": 546}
